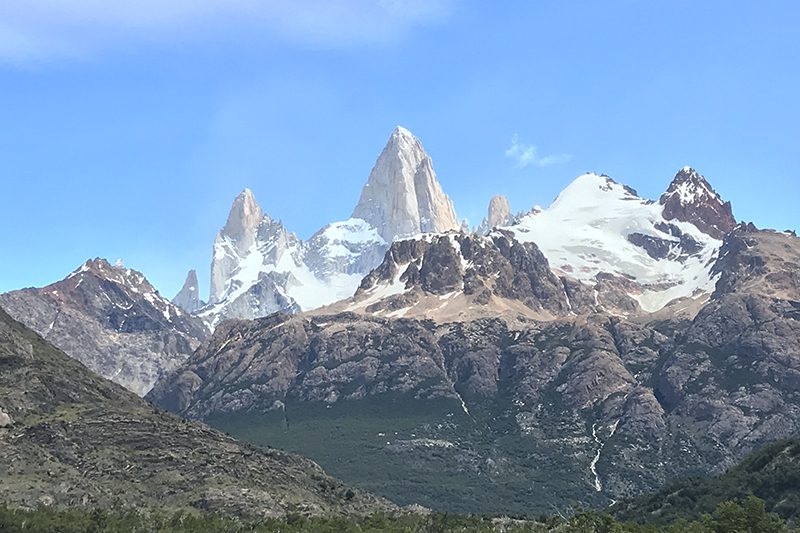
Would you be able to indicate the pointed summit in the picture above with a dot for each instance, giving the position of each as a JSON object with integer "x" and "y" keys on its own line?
{"x": 243, "y": 220}
{"x": 499, "y": 211}
{"x": 234, "y": 240}
{"x": 499, "y": 214}
{"x": 188, "y": 298}
{"x": 402, "y": 196}
{"x": 690, "y": 198}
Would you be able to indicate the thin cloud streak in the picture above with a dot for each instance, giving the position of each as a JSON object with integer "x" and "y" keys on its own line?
{"x": 44, "y": 30}
{"x": 527, "y": 154}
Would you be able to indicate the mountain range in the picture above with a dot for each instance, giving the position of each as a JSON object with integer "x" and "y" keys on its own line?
{"x": 572, "y": 355}
{"x": 598, "y": 233}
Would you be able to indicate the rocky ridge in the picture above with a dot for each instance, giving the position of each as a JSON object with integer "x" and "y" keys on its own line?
{"x": 111, "y": 319}
{"x": 459, "y": 276}
{"x": 598, "y": 233}
{"x": 614, "y": 252}
{"x": 690, "y": 198}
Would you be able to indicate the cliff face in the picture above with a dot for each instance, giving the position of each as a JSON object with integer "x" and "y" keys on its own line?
{"x": 259, "y": 267}
{"x": 188, "y": 298}
{"x": 402, "y": 196}
{"x": 690, "y": 198}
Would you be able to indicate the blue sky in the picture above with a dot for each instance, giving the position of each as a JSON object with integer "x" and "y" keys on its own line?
{"x": 127, "y": 132}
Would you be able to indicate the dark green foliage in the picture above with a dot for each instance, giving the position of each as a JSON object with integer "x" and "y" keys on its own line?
{"x": 490, "y": 467}
{"x": 749, "y": 516}
{"x": 772, "y": 474}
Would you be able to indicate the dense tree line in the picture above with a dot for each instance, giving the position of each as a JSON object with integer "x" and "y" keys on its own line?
{"x": 746, "y": 516}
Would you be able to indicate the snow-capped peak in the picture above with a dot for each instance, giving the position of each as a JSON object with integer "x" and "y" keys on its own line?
{"x": 117, "y": 273}
{"x": 401, "y": 131}
{"x": 589, "y": 190}
{"x": 598, "y": 226}
{"x": 690, "y": 198}
{"x": 259, "y": 267}
{"x": 690, "y": 187}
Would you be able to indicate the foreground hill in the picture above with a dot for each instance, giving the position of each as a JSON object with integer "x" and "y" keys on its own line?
{"x": 71, "y": 438}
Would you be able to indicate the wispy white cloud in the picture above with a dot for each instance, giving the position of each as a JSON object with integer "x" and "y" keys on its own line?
{"x": 528, "y": 154}
{"x": 49, "y": 29}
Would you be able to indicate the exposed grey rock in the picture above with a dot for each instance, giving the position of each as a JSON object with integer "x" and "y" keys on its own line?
{"x": 234, "y": 240}
{"x": 5, "y": 419}
{"x": 112, "y": 320}
{"x": 690, "y": 198}
{"x": 480, "y": 268}
{"x": 763, "y": 262}
{"x": 465, "y": 276}
{"x": 326, "y": 359}
{"x": 266, "y": 269}
{"x": 260, "y": 268}
{"x": 402, "y": 196}
{"x": 248, "y": 233}
{"x": 499, "y": 214}
{"x": 188, "y": 298}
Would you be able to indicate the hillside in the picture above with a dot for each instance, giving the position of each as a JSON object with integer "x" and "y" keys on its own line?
{"x": 70, "y": 438}
{"x": 771, "y": 473}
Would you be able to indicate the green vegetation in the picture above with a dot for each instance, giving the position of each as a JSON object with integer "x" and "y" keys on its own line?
{"x": 772, "y": 474}
{"x": 749, "y": 516}
{"x": 428, "y": 452}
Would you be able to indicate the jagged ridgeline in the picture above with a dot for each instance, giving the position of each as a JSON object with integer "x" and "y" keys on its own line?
{"x": 111, "y": 319}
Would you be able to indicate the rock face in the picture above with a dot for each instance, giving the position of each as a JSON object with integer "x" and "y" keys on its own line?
{"x": 188, "y": 298}
{"x": 593, "y": 407}
{"x": 80, "y": 440}
{"x": 112, "y": 320}
{"x": 690, "y": 198}
{"x": 402, "y": 196}
{"x": 460, "y": 277}
{"x": 246, "y": 228}
{"x": 499, "y": 214}
{"x": 260, "y": 268}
